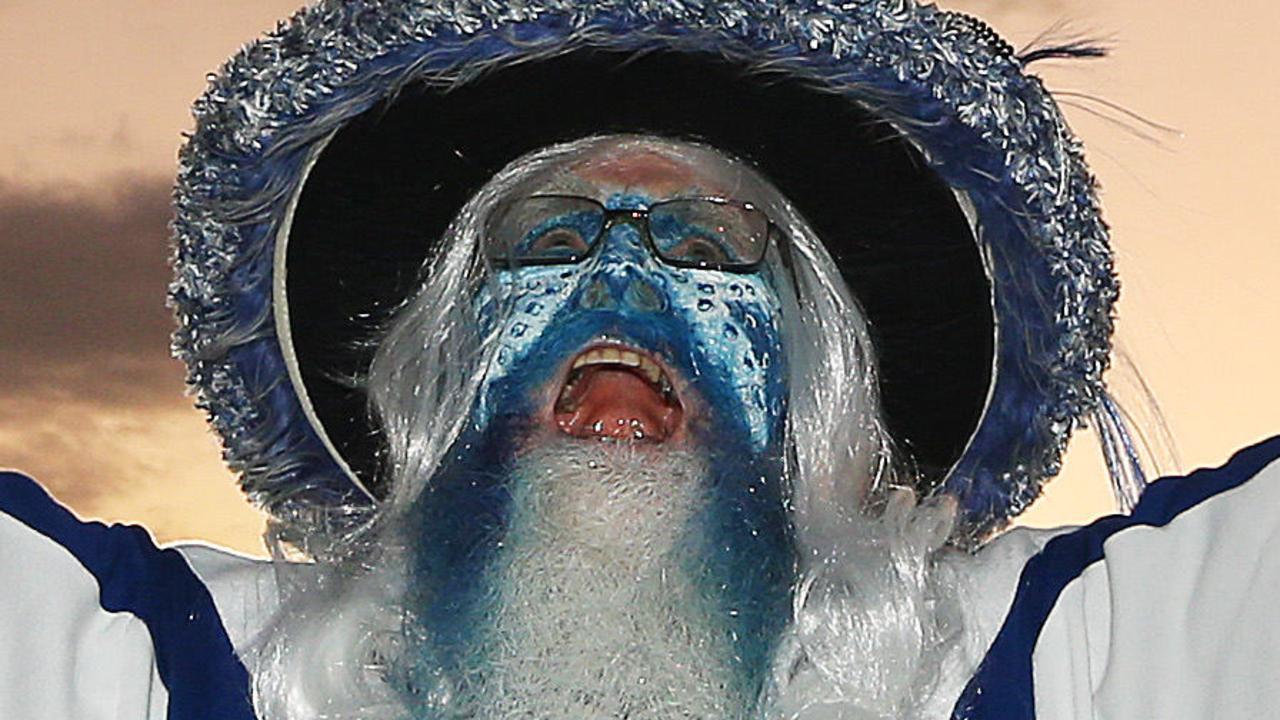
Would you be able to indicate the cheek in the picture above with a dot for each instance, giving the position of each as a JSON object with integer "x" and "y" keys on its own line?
{"x": 531, "y": 301}
{"x": 519, "y": 310}
{"x": 736, "y": 326}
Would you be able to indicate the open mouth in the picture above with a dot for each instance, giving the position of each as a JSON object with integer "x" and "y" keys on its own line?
{"x": 620, "y": 393}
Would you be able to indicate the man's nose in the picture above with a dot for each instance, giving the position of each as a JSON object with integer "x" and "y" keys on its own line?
{"x": 622, "y": 277}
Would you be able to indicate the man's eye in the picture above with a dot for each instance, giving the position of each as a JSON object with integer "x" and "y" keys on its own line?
{"x": 558, "y": 242}
{"x": 700, "y": 250}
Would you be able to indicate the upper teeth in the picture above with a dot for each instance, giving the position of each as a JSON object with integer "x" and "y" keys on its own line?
{"x": 618, "y": 356}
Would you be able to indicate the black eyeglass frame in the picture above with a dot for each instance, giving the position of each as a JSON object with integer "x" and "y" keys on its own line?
{"x": 640, "y": 219}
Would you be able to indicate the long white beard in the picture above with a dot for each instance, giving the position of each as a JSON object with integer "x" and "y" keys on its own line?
{"x": 600, "y": 612}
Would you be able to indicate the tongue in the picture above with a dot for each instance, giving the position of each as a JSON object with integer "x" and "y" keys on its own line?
{"x": 618, "y": 404}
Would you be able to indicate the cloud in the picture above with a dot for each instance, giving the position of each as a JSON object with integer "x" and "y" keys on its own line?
{"x": 83, "y": 274}
{"x": 91, "y": 404}
{"x": 79, "y": 451}
{"x": 119, "y": 140}
{"x": 156, "y": 465}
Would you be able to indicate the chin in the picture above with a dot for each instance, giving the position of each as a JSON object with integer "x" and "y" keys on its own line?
{"x": 596, "y": 602}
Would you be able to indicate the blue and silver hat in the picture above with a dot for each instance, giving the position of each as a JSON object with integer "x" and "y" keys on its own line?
{"x": 942, "y": 177}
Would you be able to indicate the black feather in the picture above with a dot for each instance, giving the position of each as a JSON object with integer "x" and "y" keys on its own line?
{"x": 1073, "y": 50}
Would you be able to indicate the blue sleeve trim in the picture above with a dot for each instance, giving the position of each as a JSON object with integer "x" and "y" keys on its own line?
{"x": 194, "y": 656}
{"x": 1003, "y": 687}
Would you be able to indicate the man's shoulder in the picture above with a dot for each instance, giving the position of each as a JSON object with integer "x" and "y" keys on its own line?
{"x": 98, "y": 608}
{"x": 1099, "y": 621}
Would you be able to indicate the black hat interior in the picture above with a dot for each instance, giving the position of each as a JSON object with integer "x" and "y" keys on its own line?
{"x": 389, "y": 182}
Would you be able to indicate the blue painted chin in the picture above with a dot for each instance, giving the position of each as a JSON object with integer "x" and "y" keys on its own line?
{"x": 718, "y": 331}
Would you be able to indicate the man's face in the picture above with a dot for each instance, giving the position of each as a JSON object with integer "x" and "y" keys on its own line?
{"x": 627, "y": 347}
{"x": 610, "y": 532}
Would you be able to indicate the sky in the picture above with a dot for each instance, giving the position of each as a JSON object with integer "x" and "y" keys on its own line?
{"x": 1177, "y": 123}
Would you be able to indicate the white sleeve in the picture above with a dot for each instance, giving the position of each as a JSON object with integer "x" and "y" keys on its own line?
{"x": 97, "y": 622}
{"x": 243, "y": 588}
{"x": 1168, "y": 613}
{"x": 62, "y": 655}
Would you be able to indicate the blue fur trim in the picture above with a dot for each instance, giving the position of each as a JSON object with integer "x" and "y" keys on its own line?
{"x": 953, "y": 86}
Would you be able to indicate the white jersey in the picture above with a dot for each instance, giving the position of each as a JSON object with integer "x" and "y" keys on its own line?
{"x": 1168, "y": 613}
{"x": 97, "y": 623}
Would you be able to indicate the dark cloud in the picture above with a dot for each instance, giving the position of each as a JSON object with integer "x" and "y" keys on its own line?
{"x": 83, "y": 274}
{"x": 119, "y": 140}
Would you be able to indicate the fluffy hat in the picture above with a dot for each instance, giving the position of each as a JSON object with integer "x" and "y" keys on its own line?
{"x": 328, "y": 157}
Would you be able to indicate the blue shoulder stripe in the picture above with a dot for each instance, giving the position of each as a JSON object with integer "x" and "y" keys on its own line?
{"x": 194, "y": 656}
{"x": 1003, "y": 687}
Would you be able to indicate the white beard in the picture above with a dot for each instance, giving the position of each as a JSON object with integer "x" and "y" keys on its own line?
{"x": 598, "y": 612}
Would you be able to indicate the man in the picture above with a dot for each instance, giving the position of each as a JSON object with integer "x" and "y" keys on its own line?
{"x": 614, "y": 534}
{"x": 634, "y": 452}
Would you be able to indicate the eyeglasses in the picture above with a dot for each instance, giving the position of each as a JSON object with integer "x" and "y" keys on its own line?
{"x": 698, "y": 232}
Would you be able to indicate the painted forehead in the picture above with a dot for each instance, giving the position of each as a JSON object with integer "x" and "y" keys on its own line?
{"x": 653, "y": 170}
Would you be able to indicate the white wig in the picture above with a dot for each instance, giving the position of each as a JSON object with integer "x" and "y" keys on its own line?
{"x": 865, "y": 582}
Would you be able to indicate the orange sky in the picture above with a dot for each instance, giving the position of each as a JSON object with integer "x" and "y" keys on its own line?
{"x": 96, "y": 95}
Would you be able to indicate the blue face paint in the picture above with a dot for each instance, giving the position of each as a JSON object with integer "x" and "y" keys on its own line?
{"x": 721, "y": 330}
